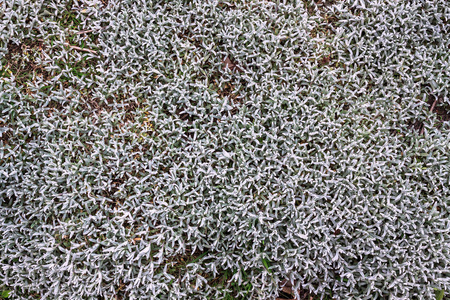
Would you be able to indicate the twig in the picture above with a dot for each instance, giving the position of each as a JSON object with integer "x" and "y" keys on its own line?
{"x": 90, "y": 30}
{"x": 431, "y": 110}
{"x": 75, "y": 47}
{"x": 80, "y": 49}
{"x": 85, "y": 31}
{"x": 434, "y": 104}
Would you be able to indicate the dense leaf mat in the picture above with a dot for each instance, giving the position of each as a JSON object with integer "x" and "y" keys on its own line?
{"x": 212, "y": 150}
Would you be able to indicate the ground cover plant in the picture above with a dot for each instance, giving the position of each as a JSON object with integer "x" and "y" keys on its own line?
{"x": 224, "y": 149}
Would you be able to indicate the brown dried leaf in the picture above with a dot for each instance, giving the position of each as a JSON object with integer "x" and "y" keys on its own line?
{"x": 227, "y": 62}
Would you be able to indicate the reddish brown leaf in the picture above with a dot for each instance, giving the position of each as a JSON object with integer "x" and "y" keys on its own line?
{"x": 227, "y": 62}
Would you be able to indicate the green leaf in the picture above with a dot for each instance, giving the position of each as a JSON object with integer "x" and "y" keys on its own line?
{"x": 439, "y": 294}
{"x": 5, "y": 294}
{"x": 198, "y": 258}
{"x": 266, "y": 264}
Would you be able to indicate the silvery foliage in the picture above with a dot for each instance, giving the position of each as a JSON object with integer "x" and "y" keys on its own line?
{"x": 108, "y": 178}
